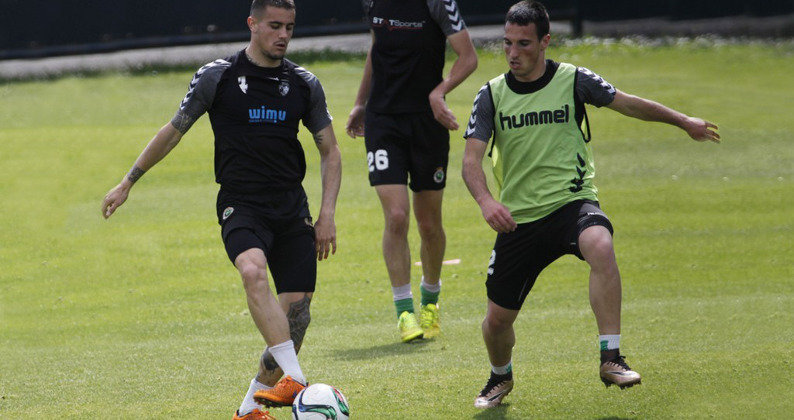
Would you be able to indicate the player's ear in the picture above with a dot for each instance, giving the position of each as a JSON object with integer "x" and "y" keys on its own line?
{"x": 544, "y": 42}
{"x": 251, "y": 21}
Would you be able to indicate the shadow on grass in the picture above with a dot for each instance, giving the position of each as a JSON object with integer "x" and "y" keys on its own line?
{"x": 381, "y": 351}
{"x": 498, "y": 412}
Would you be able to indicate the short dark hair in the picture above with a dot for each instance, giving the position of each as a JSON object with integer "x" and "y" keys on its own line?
{"x": 526, "y": 12}
{"x": 259, "y": 5}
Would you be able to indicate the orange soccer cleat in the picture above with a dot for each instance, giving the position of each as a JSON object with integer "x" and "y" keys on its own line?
{"x": 254, "y": 415}
{"x": 281, "y": 395}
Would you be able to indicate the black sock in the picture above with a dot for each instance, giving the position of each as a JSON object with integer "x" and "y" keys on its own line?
{"x": 499, "y": 378}
{"x": 609, "y": 355}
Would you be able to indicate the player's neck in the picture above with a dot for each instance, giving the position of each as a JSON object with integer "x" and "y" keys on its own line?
{"x": 537, "y": 72}
{"x": 258, "y": 59}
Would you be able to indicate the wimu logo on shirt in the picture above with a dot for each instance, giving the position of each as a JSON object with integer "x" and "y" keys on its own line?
{"x": 265, "y": 115}
{"x": 534, "y": 118}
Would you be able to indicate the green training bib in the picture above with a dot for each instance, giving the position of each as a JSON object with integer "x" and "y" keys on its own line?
{"x": 540, "y": 157}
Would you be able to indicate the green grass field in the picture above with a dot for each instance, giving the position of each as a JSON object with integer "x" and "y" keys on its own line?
{"x": 142, "y": 316}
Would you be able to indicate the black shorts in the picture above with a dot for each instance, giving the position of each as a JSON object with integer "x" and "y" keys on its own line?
{"x": 518, "y": 257}
{"x": 403, "y": 144}
{"x": 288, "y": 244}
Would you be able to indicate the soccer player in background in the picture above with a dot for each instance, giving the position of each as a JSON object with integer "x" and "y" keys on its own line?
{"x": 255, "y": 100}
{"x": 400, "y": 110}
{"x": 547, "y": 205}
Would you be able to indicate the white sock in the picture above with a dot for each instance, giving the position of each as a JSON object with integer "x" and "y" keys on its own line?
{"x": 609, "y": 342}
{"x": 402, "y": 292}
{"x": 502, "y": 370}
{"x": 286, "y": 358}
{"x": 432, "y": 288}
{"x": 249, "y": 404}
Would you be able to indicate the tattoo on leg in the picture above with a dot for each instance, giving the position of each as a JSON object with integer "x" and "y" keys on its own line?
{"x": 267, "y": 364}
{"x": 135, "y": 174}
{"x": 298, "y": 317}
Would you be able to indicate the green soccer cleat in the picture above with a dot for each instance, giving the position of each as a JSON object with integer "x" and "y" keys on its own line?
{"x": 409, "y": 328}
{"x": 428, "y": 320}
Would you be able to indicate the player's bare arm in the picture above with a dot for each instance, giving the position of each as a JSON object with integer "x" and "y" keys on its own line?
{"x": 355, "y": 122}
{"x": 464, "y": 65}
{"x": 162, "y": 143}
{"x": 331, "y": 173}
{"x": 647, "y": 110}
{"x": 495, "y": 213}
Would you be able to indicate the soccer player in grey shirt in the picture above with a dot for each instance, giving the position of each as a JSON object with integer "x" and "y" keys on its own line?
{"x": 255, "y": 100}
{"x": 547, "y": 205}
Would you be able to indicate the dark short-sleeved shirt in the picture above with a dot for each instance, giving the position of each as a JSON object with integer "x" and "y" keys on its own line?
{"x": 254, "y": 112}
{"x": 590, "y": 89}
{"x": 408, "y": 48}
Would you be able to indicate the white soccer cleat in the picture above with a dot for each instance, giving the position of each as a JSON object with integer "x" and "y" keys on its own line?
{"x": 495, "y": 390}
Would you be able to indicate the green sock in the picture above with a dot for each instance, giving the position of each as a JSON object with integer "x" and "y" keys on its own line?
{"x": 403, "y": 305}
{"x": 429, "y": 297}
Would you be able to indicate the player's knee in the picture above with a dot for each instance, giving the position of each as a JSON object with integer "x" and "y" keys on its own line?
{"x": 603, "y": 249}
{"x": 494, "y": 324}
{"x": 254, "y": 277}
{"x": 430, "y": 229}
{"x": 249, "y": 272}
{"x": 397, "y": 221}
{"x": 596, "y": 243}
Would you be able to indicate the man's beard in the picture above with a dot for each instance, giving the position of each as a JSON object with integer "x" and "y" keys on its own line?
{"x": 273, "y": 56}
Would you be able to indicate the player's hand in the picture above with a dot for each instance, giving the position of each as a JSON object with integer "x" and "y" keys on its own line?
{"x": 115, "y": 197}
{"x": 355, "y": 122}
{"x": 701, "y": 130}
{"x": 498, "y": 216}
{"x": 441, "y": 111}
{"x": 324, "y": 237}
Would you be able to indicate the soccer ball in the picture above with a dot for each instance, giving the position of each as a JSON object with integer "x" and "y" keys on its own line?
{"x": 320, "y": 402}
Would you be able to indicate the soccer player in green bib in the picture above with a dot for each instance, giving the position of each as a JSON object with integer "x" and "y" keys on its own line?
{"x": 547, "y": 205}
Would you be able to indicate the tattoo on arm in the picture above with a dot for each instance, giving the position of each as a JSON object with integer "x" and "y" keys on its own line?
{"x": 182, "y": 122}
{"x": 298, "y": 317}
{"x": 135, "y": 174}
{"x": 318, "y": 138}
